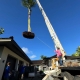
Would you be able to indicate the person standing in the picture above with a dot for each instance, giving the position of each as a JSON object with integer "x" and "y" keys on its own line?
{"x": 21, "y": 71}
{"x": 26, "y": 71}
{"x": 59, "y": 55}
{"x": 7, "y": 71}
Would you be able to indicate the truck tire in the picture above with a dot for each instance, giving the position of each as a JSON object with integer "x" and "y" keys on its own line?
{"x": 76, "y": 78}
{"x": 67, "y": 75}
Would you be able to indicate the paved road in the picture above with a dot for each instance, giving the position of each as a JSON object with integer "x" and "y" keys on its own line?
{"x": 36, "y": 78}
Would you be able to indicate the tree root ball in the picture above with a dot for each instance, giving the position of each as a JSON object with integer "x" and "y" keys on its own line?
{"x": 28, "y": 35}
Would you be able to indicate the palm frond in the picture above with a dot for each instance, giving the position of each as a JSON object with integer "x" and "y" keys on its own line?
{"x": 25, "y": 3}
{"x": 28, "y": 3}
{"x": 31, "y": 3}
{"x": 1, "y": 30}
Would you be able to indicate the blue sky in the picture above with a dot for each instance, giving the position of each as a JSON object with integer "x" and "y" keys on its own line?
{"x": 64, "y": 15}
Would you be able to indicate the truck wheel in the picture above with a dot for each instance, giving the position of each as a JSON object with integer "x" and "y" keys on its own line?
{"x": 67, "y": 75}
{"x": 76, "y": 78}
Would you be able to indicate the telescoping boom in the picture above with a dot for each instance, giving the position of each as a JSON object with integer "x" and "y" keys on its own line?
{"x": 51, "y": 30}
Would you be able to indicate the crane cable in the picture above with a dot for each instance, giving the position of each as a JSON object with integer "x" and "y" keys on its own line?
{"x": 44, "y": 43}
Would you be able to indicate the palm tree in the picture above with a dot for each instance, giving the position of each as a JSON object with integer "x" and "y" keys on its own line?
{"x": 1, "y": 31}
{"x": 28, "y": 4}
{"x": 42, "y": 57}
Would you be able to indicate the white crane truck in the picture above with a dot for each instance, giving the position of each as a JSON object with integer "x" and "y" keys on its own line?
{"x": 64, "y": 73}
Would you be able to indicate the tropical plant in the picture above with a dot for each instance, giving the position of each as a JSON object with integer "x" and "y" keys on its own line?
{"x": 28, "y": 4}
{"x": 42, "y": 57}
{"x": 77, "y": 53}
{"x": 78, "y": 50}
{"x": 1, "y": 31}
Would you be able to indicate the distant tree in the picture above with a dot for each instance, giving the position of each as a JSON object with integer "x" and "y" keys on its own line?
{"x": 42, "y": 57}
{"x": 73, "y": 54}
{"x": 1, "y": 31}
{"x": 77, "y": 53}
{"x": 78, "y": 50}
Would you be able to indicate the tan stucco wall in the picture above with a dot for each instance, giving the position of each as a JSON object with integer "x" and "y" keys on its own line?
{"x": 4, "y": 55}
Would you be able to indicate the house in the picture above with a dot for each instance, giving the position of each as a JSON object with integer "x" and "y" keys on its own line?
{"x": 39, "y": 64}
{"x": 11, "y": 52}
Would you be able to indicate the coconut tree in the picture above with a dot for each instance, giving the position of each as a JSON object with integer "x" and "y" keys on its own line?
{"x": 28, "y": 4}
{"x": 1, "y": 31}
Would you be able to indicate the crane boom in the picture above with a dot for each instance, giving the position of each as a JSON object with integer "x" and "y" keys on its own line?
{"x": 50, "y": 28}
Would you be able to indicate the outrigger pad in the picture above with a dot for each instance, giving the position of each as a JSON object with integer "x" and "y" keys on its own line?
{"x": 28, "y": 35}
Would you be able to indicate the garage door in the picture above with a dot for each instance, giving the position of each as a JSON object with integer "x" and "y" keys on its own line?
{"x": 12, "y": 60}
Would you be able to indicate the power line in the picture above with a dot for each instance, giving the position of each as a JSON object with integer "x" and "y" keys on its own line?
{"x": 44, "y": 43}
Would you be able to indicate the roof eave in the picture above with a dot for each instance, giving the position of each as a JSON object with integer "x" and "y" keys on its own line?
{"x": 16, "y": 45}
{"x": 4, "y": 40}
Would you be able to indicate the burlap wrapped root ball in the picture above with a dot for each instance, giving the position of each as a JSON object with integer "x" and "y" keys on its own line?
{"x": 28, "y": 35}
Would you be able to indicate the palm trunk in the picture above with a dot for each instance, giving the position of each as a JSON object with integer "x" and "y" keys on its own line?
{"x": 29, "y": 13}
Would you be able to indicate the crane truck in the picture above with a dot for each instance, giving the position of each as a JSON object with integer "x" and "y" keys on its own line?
{"x": 57, "y": 73}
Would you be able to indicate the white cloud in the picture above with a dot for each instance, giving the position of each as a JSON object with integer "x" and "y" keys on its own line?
{"x": 26, "y": 50}
{"x": 33, "y": 56}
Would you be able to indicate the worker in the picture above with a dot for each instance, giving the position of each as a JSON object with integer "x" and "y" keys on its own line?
{"x": 59, "y": 55}
{"x": 21, "y": 71}
{"x": 7, "y": 71}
